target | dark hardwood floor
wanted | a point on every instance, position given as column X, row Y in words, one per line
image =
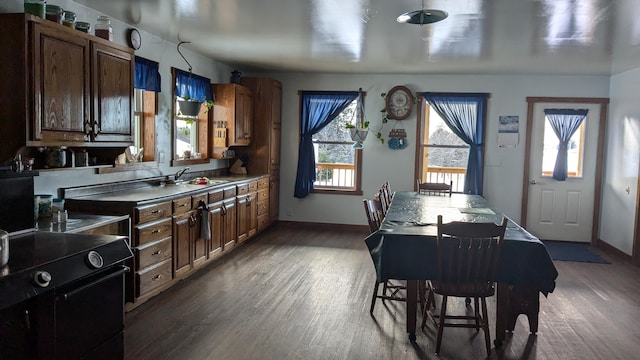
column 304, row 293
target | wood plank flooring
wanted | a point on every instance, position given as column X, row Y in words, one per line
column 298, row 292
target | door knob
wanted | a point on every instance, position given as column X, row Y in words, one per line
column 533, row 182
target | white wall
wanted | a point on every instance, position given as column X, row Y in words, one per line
column 503, row 166
column 153, row 48
column 622, row 159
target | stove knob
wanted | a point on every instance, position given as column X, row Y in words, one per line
column 94, row 260
column 42, row 278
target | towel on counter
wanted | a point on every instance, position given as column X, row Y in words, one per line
column 205, row 231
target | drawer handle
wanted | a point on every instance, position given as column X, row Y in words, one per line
column 156, row 231
column 156, row 211
column 156, row 277
column 182, row 205
column 157, row 253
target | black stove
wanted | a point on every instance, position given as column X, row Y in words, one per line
column 61, row 294
column 40, row 262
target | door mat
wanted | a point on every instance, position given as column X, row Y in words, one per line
column 570, row 251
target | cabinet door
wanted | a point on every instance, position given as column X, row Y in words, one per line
column 244, row 116
column 182, row 244
column 243, row 218
column 216, row 225
column 61, row 85
column 197, row 241
column 230, row 215
column 276, row 115
column 112, row 94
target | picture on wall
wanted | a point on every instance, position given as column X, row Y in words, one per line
column 508, row 128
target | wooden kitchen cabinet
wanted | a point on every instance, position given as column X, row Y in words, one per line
column 237, row 102
column 263, row 203
column 247, row 211
column 65, row 87
column 189, row 248
column 264, row 152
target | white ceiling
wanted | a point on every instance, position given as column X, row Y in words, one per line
column 362, row 36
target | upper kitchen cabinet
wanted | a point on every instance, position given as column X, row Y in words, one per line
column 62, row 87
column 237, row 101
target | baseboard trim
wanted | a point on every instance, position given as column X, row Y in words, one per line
column 611, row 250
column 315, row 225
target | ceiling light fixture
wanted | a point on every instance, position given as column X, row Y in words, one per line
column 421, row 17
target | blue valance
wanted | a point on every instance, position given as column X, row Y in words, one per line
column 191, row 86
column 146, row 75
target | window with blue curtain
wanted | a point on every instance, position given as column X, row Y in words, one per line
column 318, row 109
column 564, row 123
column 146, row 74
column 191, row 86
column 464, row 114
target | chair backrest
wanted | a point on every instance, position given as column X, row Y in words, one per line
column 434, row 188
column 385, row 196
column 468, row 255
column 373, row 210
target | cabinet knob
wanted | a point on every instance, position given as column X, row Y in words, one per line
column 87, row 128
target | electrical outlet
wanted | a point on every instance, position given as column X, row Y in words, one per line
column 627, row 189
column 289, row 212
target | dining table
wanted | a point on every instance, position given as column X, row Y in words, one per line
column 405, row 248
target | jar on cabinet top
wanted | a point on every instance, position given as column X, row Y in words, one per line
column 103, row 28
column 55, row 157
column 54, row 13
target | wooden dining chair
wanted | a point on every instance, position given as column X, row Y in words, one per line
column 385, row 195
column 467, row 255
column 390, row 289
column 430, row 188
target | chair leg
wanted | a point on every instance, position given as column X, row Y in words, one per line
column 476, row 312
column 443, row 312
column 485, row 326
column 374, row 297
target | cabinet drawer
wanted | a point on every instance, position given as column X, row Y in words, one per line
column 182, row 205
column 216, row 196
column 153, row 253
column 263, row 207
column 263, row 194
column 229, row 192
column 253, row 185
column 195, row 200
column 153, row 231
column 152, row 212
column 263, row 183
column 243, row 189
column 153, row 277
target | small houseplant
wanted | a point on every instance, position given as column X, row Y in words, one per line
column 360, row 129
column 189, row 107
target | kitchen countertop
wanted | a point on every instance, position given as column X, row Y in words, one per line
column 154, row 193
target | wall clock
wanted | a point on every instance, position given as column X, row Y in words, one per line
column 399, row 103
column 135, row 40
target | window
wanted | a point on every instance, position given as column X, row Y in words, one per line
column 444, row 155
column 190, row 140
column 144, row 117
column 337, row 161
column 320, row 109
column 575, row 150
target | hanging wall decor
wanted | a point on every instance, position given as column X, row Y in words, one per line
column 398, row 139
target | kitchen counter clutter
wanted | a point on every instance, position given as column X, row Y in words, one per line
column 177, row 229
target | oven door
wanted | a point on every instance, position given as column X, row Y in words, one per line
column 89, row 317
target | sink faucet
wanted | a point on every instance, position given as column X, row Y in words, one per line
column 181, row 172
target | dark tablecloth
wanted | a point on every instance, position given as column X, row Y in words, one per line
column 405, row 245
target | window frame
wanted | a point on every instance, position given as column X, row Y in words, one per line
column 357, row 188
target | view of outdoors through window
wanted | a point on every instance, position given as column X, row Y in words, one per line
column 138, row 113
column 574, row 151
column 444, row 154
column 334, row 153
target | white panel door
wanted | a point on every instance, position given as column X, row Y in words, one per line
column 562, row 210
